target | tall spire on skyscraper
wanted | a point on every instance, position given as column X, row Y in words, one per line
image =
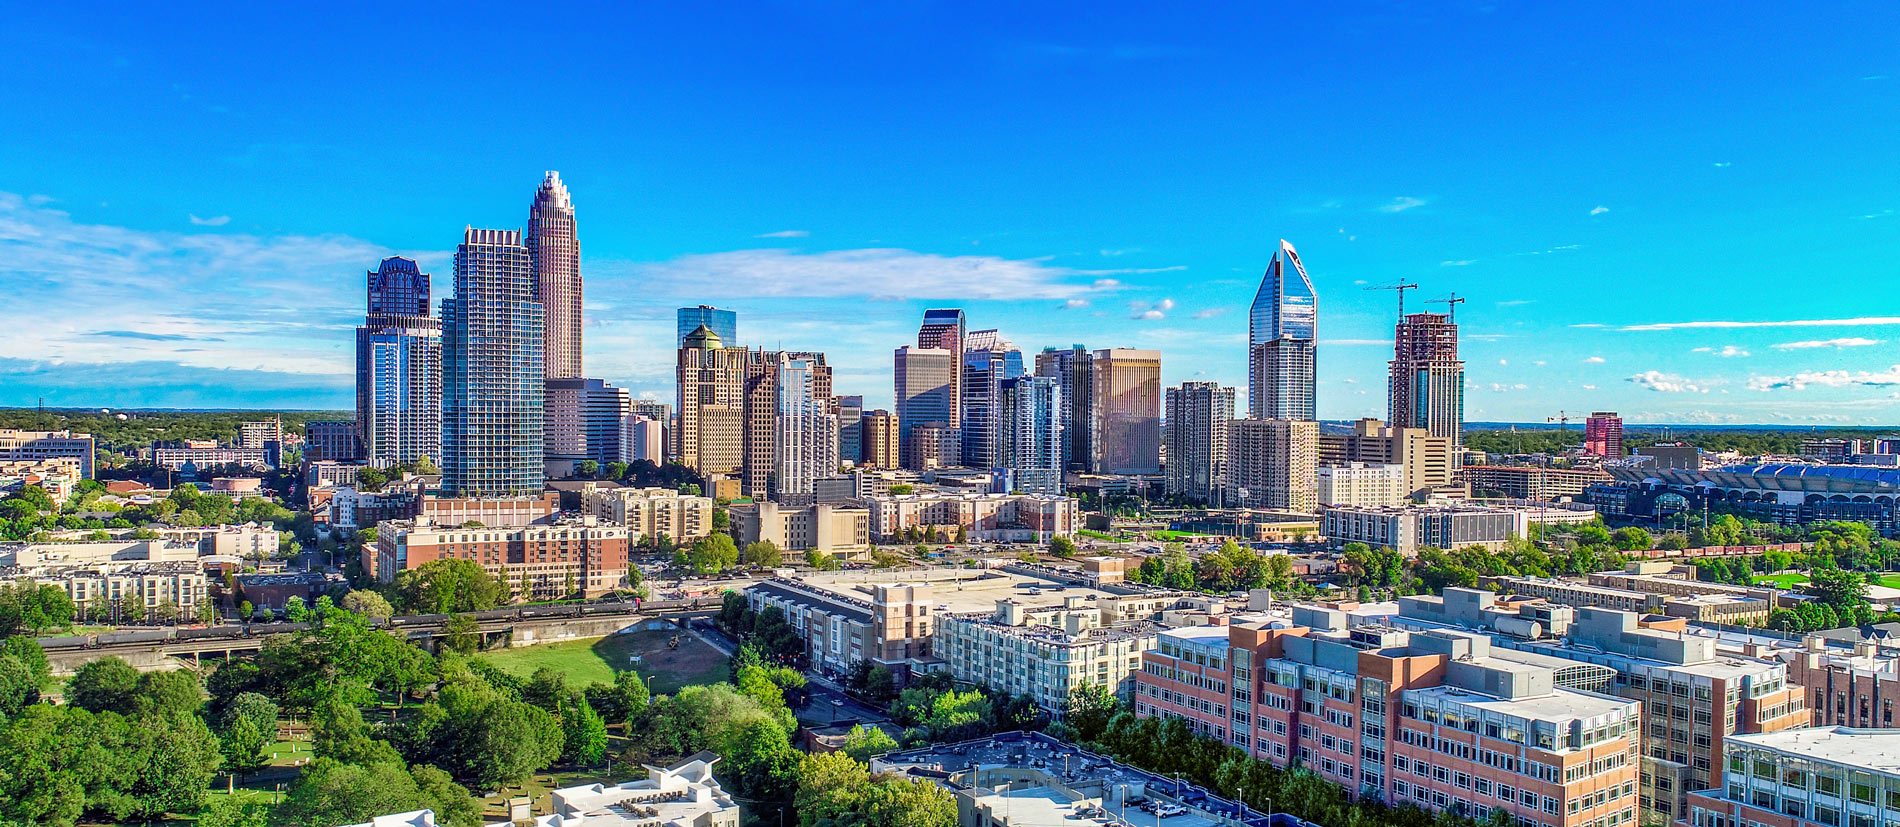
column 555, row 252
column 1282, row 329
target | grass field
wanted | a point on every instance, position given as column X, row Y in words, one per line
column 1177, row 535
column 1083, row 532
column 1785, row 581
column 591, row 660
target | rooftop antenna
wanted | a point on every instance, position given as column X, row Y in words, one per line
column 1451, row 306
column 1401, row 286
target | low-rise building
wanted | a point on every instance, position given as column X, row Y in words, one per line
column 1380, row 485
column 57, row 475
column 1832, row 776
column 505, row 512
column 93, row 553
column 108, row 586
column 336, row 440
column 199, row 457
column 350, row 508
column 1530, row 482
column 331, row 473
column 274, row 590
column 247, row 540
column 684, row 794
column 649, row 512
column 885, row 623
column 1032, row 517
column 833, row 529
column 1409, row 528
column 1575, row 593
column 1044, row 652
column 540, row 561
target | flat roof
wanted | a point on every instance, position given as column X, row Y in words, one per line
column 1873, row 749
column 1199, row 634
column 1560, row 706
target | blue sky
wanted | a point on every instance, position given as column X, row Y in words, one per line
column 1688, row 213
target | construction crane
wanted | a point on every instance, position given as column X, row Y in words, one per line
column 1401, row 287
column 1562, row 419
column 1451, row 306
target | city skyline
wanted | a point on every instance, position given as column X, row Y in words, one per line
column 1621, row 252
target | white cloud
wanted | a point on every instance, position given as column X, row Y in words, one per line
column 1727, row 351
column 1594, row 360
column 785, row 234
column 1587, row 325
column 1151, row 312
column 1828, row 379
column 875, row 273
column 1724, row 325
column 1722, row 163
column 1516, row 302
column 211, row 222
column 1656, row 380
column 1540, row 363
column 1211, row 313
column 1589, row 387
column 1463, row 262
column 1599, row 210
column 1073, row 304
column 1503, row 362
column 1850, row 341
column 1402, row 203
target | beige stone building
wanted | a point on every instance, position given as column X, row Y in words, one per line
column 1428, row 460
column 833, row 529
column 881, row 439
column 1125, row 411
column 1380, row 485
column 1044, row 652
column 57, row 475
column 1032, row 517
column 649, row 512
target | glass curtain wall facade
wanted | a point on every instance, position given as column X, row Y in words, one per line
column 399, row 367
column 723, row 323
column 1032, row 433
column 492, row 370
column 1282, row 328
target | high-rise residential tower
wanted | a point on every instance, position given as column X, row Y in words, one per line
column 1273, row 463
column 925, row 393
column 988, row 360
column 1427, row 386
column 1069, row 366
column 1603, row 435
column 492, row 371
column 399, row 367
column 806, row 445
column 723, row 323
column 850, row 428
column 583, row 421
column 944, row 328
column 554, row 252
column 1198, row 413
column 1281, row 337
column 880, row 440
column 1125, row 411
column 1030, row 431
column 710, row 437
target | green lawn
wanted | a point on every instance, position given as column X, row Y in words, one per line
column 1083, row 532
column 1891, row 581
column 1786, row 581
column 592, row 660
column 1177, row 535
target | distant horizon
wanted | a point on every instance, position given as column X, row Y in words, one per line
column 1487, row 425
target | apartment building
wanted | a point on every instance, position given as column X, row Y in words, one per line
column 1032, row 517
column 1832, row 776
column 1428, row 460
column 1273, row 464
column 885, row 623
column 1407, row 529
column 1574, row 593
column 1434, row 718
column 540, row 561
column 1847, row 687
column 649, row 512
column 1044, row 652
column 201, row 456
column 1642, row 597
column 58, row 476
column 151, row 584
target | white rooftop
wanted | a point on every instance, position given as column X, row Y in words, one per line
column 1873, row 749
column 1561, row 706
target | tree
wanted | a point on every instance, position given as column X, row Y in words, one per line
column 368, row 604
column 1090, row 707
column 589, row 468
column 28, row 652
column 108, row 684
column 370, row 479
column 763, row 554
column 31, row 608
column 232, row 811
column 462, row 633
column 1061, row 546
column 712, row 554
column 445, row 586
column 246, row 726
column 330, row 792
column 623, row 701
column 19, row 688
column 821, row 560
column 1838, row 589
column 1630, row 538
column 481, row 736
column 861, row 743
column 584, row 734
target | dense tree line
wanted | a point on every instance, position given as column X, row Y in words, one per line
column 1231, row 567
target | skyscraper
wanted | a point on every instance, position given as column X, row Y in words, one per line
column 1070, row 368
column 988, row 360
column 723, row 323
column 807, row 440
column 945, row 329
column 1030, row 431
column 880, row 440
column 1427, row 386
column 925, row 388
column 492, row 369
column 850, row 428
column 583, row 421
column 1198, row 413
column 1125, row 411
column 554, row 252
column 1281, row 336
column 1603, row 435
column 399, row 367
column 710, row 438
